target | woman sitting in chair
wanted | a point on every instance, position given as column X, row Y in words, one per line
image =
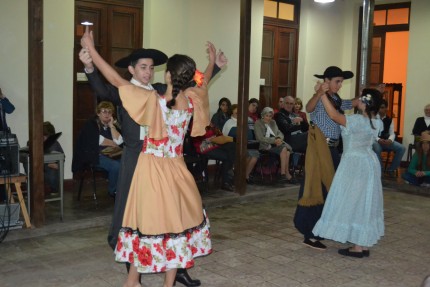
column 418, row 172
column 98, row 144
column 271, row 141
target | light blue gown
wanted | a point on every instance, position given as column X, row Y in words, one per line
column 353, row 211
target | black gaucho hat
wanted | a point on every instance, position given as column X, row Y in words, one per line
column 159, row 57
column 333, row 71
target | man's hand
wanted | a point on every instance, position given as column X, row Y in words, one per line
column 86, row 59
column 221, row 60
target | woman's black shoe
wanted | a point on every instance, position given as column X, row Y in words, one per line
column 183, row 277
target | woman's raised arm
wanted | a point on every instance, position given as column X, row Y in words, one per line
column 87, row 42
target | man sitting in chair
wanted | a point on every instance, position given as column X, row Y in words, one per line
column 98, row 144
column 386, row 140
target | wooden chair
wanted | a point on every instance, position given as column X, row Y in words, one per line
column 94, row 170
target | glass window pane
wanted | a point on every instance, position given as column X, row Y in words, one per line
column 398, row 16
column 286, row 11
column 270, row 8
column 379, row 17
column 376, row 49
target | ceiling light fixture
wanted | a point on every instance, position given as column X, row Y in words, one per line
column 324, row 1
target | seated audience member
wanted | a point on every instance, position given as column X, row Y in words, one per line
column 418, row 172
column 280, row 105
column 252, row 154
column 422, row 123
column 253, row 115
column 271, row 140
column 218, row 147
column 292, row 126
column 51, row 169
column 386, row 140
column 97, row 142
column 223, row 113
column 298, row 106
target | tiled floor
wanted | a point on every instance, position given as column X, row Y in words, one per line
column 254, row 240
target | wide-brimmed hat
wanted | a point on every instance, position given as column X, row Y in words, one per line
column 425, row 137
column 333, row 71
column 157, row 56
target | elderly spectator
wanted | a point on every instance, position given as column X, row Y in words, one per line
column 292, row 126
column 422, row 123
column 419, row 169
column 271, row 140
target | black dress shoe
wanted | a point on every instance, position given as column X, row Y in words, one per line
column 183, row 277
column 348, row 252
column 366, row 253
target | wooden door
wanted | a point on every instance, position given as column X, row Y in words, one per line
column 278, row 64
column 117, row 31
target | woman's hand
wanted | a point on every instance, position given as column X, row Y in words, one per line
column 87, row 40
column 221, row 59
column 419, row 173
column 278, row 141
column 211, row 51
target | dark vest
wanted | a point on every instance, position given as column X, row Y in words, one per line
column 385, row 134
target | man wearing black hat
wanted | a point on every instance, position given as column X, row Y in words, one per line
column 140, row 64
column 307, row 216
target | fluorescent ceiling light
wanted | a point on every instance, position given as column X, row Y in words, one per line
column 324, row 1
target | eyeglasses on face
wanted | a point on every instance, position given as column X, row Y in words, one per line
column 105, row 111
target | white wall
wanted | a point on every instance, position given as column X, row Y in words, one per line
column 196, row 22
column 58, row 43
column 14, row 63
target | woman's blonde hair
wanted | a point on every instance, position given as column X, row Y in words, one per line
column 299, row 101
column 105, row 105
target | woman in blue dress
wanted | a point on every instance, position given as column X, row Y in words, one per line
column 353, row 211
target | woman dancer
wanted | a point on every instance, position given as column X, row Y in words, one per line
column 353, row 211
column 164, row 225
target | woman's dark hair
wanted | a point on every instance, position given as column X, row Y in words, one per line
column 222, row 100
column 420, row 153
column 182, row 69
column 372, row 106
column 253, row 100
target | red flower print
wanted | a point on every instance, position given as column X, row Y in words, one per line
column 190, row 264
column 175, row 130
column 135, row 243
column 188, row 235
column 178, row 149
column 145, row 256
column 155, row 268
column 202, row 250
column 193, row 250
column 170, row 254
column 163, row 269
column 123, row 254
column 165, row 239
column 119, row 244
column 181, row 258
column 158, row 248
column 131, row 257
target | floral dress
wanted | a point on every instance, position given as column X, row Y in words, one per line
column 164, row 225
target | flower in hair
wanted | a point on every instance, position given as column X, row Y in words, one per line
column 366, row 99
column 198, row 78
